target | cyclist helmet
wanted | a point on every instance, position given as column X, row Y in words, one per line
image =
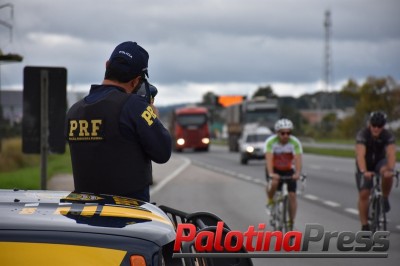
column 283, row 124
column 377, row 119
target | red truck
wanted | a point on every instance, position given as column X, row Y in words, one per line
column 189, row 128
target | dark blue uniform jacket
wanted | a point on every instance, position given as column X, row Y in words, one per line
column 113, row 137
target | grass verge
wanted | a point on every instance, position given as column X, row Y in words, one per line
column 18, row 170
column 30, row 177
column 330, row 152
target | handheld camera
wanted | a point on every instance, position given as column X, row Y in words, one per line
column 147, row 90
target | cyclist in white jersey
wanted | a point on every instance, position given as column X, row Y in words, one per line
column 283, row 157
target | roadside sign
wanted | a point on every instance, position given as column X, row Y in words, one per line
column 44, row 108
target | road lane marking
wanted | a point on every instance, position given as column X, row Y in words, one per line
column 228, row 172
column 331, row 203
column 245, row 177
column 250, row 179
column 259, row 181
column 155, row 189
column 351, row 210
column 310, row 197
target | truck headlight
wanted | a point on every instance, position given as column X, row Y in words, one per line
column 180, row 141
column 205, row 140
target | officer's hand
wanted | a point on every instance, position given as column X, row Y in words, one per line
column 155, row 110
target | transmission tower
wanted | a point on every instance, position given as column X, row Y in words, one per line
column 328, row 57
column 6, row 23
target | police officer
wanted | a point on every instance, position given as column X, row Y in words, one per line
column 114, row 132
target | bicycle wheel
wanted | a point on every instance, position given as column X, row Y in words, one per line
column 375, row 207
column 273, row 219
column 381, row 217
column 371, row 213
column 279, row 215
column 285, row 215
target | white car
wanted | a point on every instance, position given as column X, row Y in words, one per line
column 251, row 144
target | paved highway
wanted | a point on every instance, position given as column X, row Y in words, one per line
column 216, row 182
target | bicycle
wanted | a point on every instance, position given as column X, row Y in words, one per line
column 376, row 215
column 280, row 209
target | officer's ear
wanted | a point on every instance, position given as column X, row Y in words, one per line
column 135, row 84
column 137, row 80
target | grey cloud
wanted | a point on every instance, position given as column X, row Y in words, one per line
column 206, row 41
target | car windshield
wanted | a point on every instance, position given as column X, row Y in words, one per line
column 257, row 137
column 192, row 120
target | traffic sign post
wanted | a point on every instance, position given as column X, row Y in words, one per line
column 44, row 111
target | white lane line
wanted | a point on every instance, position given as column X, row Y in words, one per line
column 314, row 166
column 245, row 177
column 352, row 211
column 331, row 203
column 307, row 196
column 259, row 181
column 228, row 172
column 310, row 197
column 186, row 163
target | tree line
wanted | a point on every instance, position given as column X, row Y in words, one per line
column 354, row 100
column 374, row 94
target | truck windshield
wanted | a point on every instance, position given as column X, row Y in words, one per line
column 262, row 116
column 257, row 137
column 191, row 120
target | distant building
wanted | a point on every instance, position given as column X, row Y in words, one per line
column 314, row 117
column 12, row 103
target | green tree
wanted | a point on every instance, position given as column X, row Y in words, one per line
column 209, row 98
column 266, row 91
column 375, row 94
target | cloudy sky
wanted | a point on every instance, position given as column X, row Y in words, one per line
column 224, row 46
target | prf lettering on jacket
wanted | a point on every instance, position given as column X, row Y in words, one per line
column 85, row 130
column 149, row 115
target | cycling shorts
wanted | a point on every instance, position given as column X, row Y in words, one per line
column 367, row 183
column 292, row 184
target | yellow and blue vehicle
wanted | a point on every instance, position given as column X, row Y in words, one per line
column 39, row 227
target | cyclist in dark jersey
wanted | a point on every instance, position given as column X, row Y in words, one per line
column 375, row 154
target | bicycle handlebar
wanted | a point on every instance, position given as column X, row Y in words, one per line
column 289, row 177
column 374, row 175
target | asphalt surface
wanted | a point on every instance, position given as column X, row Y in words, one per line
column 216, row 182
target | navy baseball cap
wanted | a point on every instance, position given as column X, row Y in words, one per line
column 135, row 59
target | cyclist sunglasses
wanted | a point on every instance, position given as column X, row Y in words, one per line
column 283, row 133
column 377, row 125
